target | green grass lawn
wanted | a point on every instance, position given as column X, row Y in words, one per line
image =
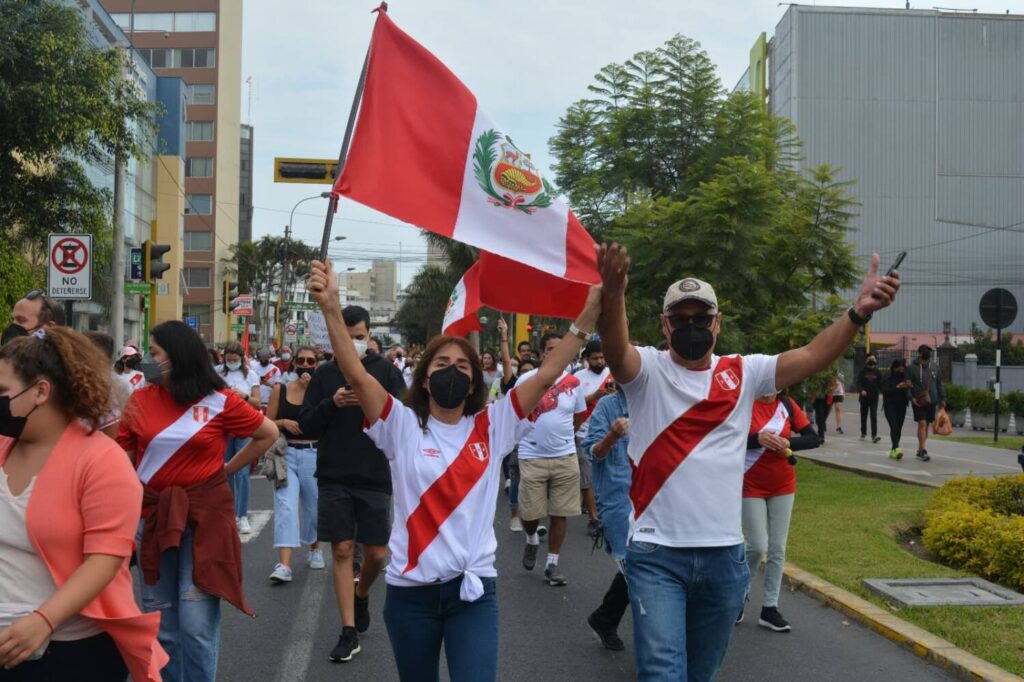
column 843, row 530
column 1006, row 441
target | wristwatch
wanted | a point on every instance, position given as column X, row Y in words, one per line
column 580, row 334
column 857, row 319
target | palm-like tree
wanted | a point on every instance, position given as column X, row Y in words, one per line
column 427, row 295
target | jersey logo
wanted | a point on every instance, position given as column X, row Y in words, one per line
column 135, row 379
column 201, row 415
column 431, row 452
column 550, row 399
column 727, row 379
column 479, row 450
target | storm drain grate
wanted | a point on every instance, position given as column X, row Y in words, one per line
column 944, row 592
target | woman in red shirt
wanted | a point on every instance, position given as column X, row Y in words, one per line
column 769, row 486
column 175, row 430
column 69, row 507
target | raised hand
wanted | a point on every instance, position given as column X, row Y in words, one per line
column 323, row 285
column 876, row 291
column 613, row 266
column 503, row 328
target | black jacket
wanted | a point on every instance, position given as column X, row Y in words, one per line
column 869, row 380
column 344, row 453
column 892, row 395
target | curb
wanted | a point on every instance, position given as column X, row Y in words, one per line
column 933, row 649
column 881, row 475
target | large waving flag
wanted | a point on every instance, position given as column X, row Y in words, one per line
column 425, row 153
column 460, row 316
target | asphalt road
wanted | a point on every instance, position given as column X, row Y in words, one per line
column 544, row 636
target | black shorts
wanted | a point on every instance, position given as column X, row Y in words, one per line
column 837, row 399
column 924, row 414
column 345, row 513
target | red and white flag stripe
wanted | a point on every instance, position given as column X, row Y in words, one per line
column 460, row 316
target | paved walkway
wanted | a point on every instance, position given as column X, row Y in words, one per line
column 949, row 458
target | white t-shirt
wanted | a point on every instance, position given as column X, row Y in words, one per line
column 133, row 378
column 445, row 479
column 268, row 376
column 590, row 382
column 240, row 379
column 696, row 502
column 553, row 431
column 25, row 582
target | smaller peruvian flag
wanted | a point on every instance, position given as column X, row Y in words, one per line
column 460, row 317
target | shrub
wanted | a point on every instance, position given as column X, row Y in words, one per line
column 978, row 524
column 981, row 401
column 956, row 397
column 1013, row 401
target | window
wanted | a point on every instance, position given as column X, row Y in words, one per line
column 243, row 199
column 168, row 21
column 196, row 278
column 183, row 58
column 199, row 167
column 199, row 310
column 198, row 241
column 199, row 131
column 205, row 57
column 198, row 204
column 200, row 93
column 244, row 165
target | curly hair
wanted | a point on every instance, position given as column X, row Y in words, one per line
column 77, row 370
column 418, row 397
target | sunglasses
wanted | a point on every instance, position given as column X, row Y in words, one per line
column 36, row 293
column 700, row 320
column 305, row 362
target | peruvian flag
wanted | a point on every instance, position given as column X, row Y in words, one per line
column 460, row 316
column 425, row 153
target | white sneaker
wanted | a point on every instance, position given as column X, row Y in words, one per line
column 281, row 574
column 316, row 559
column 515, row 525
column 243, row 526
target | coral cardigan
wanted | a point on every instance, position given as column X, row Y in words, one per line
column 93, row 473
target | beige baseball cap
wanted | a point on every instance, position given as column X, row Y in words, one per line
column 690, row 288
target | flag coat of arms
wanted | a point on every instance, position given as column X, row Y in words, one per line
column 425, row 153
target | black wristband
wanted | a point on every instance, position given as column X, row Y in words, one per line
column 857, row 319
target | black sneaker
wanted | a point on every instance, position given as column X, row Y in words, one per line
column 773, row 620
column 347, row 646
column 875, row 439
column 362, row 613
column 609, row 637
column 554, row 576
column 839, row 429
column 923, row 455
column 530, row 556
column 593, row 528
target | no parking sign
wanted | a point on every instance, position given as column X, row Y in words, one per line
column 70, row 267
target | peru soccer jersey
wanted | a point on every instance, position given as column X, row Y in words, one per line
column 688, row 437
column 766, row 472
column 590, row 382
column 553, row 434
column 182, row 445
column 445, row 480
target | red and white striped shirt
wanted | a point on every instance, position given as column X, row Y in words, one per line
column 687, row 441
column 182, row 445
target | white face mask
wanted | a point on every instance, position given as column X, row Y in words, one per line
column 360, row 345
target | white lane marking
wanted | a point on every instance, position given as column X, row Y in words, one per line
column 257, row 520
column 299, row 650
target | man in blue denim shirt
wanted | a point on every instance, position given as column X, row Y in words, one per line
column 605, row 445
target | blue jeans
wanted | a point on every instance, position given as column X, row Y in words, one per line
column 189, row 618
column 299, row 493
column 685, row 601
column 419, row 619
column 239, row 481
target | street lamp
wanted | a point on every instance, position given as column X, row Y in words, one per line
column 287, row 239
column 338, row 239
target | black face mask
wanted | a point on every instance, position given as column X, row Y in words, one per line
column 926, row 356
column 692, row 343
column 303, row 371
column 13, row 331
column 449, row 387
column 152, row 371
column 10, row 425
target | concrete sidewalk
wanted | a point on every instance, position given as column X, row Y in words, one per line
column 949, row 458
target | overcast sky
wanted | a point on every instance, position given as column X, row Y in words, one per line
column 526, row 62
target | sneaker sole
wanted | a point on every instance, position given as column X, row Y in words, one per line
column 355, row 651
column 556, row 583
column 277, row 579
column 317, row 567
column 765, row 624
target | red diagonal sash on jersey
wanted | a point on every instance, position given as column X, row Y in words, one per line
column 675, row 443
column 446, row 493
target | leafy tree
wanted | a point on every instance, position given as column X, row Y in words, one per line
column 62, row 102
column 983, row 345
column 698, row 183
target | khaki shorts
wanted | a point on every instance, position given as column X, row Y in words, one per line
column 549, row 486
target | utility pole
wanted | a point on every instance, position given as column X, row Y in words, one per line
column 117, row 271
column 284, row 277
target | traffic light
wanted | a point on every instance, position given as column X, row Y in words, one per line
column 310, row 171
column 230, row 291
column 152, row 267
column 529, row 327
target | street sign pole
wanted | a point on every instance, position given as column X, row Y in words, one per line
column 998, row 309
column 999, row 359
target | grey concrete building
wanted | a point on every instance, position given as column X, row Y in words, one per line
column 245, row 184
column 924, row 109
